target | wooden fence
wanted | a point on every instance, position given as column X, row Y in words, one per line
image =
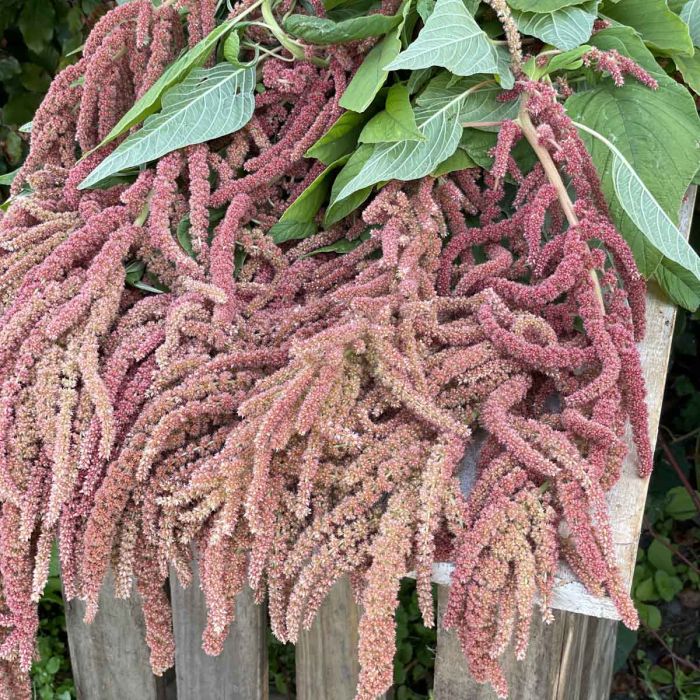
column 570, row 659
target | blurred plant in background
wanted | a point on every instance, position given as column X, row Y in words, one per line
column 37, row 39
column 51, row 673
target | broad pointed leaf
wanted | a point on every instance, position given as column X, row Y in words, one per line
column 209, row 103
column 396, row 123
column 438, row 117
column 150, row 101
column 297, row 219
column 451, row 38
column 339, row 208
column 646, row 213
column 690, row 14
column 477, row 97
column 371, row 75
column 566, row 28
column 657, row 25
column 658, row 134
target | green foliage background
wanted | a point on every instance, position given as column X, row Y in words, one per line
column 37, row 39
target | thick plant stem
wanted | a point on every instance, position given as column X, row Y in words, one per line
column 554, row 177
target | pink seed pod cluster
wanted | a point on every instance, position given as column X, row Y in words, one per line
column 290, row 417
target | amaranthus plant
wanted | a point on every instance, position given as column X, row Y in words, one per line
column 267, row 279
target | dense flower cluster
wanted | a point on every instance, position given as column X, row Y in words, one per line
column 296, row 417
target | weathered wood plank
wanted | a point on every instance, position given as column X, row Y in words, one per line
column 326, row 655
column 110, row 657
column 240, row 672
column 627, row 498
column 570, row 659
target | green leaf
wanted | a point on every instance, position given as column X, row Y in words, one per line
column 341, row 246
column 690, row 14
column 34, row 78
column 689, row 66
column 667, row 586
column 679, row 504
column 477, row 97
column 645, row 590
column 451, row 38
column 347, row 9
column 150, row 101
column 53, row 664
column 650, row 615
column 658, row 26
column 7, row 178
column 656, row 131
column 477, row 144
column 541, row 5
column 660, row 557
column 568, row 60
column 9, row 67
column 297, row 220
column 661, row 676
column 232, row 47
column 209, row 103
column 425, row 9
column 20, row 107
column 459, row 160
column 566, row 28
column 648, row 216
column 134, row 271
column 322, row 31
column 506, row 79
column 338, row 209
column 626, row 641
column 36, row 23
column 25, row 128
column 340, row 139
column 438, row 119
column 396, row 123
column 371, row 75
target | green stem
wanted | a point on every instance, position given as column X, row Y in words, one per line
column 295, row 48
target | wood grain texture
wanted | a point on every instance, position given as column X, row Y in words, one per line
column 627, row 498
column 240, row 672
column 109, row 657
column 570, row 659
column 327, row 666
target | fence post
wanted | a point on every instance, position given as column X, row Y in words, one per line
column 109, row 657
column 326, row 655
column 570, row 659
column 240, row 672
